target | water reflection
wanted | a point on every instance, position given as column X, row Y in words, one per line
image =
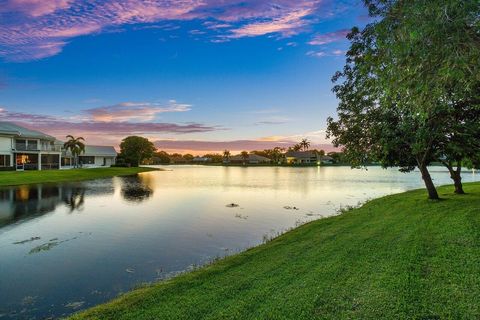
column 136, row 189
column 138, row 229
column 27, row 202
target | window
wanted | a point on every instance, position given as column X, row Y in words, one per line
column 32, row 144
column 4, row 160
column 21, row 144
column 86, row 160
column 50, row 161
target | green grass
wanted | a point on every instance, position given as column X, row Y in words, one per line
column 14, row 178
column 397, row 257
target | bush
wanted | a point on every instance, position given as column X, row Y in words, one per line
column 7, row 168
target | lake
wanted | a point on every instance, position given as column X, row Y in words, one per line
column 66, row 247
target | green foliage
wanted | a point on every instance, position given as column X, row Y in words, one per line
column 136, row 149
column 398, row 257
column 215, row 157
column 304, row 144
column 161, row 157
column 76, row 147
column 410, row 90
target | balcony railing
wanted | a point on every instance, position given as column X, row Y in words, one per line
column 36, row 147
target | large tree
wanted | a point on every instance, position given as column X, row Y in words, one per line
column 406, row 73
column 136, row 149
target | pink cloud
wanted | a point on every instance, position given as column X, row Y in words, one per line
column 134, row 111
column 330, row 37
column 36, row 8
column 286, row 25
column 100, row 131
column 36, row 29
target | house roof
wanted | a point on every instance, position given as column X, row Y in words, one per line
column 11, row 129
column 251, row 157
column 301, row 154
column 107, row 151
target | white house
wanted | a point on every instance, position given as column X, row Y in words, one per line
column 103, row 156
column 25, row 149
column 302, row 157
column 307, row 157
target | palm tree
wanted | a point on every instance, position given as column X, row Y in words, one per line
column 305, row 144
column 245, row 156
column 226, row 156
column 76, row 147
column 297, row 147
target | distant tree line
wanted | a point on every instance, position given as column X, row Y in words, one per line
column 135, row 150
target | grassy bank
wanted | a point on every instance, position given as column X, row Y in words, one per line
column 398, row 257
column 14, row 178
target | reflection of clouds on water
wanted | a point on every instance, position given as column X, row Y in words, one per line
column 136, row 189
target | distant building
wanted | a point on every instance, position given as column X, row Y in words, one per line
column 25, row 149
column 302, row 157
column 252, row 159
column 327, row 160
column 94, row 156
column 307, row 157
column 201, row 160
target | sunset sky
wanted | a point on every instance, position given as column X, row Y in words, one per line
column 191, row 75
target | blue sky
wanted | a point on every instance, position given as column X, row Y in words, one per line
column 191, row 75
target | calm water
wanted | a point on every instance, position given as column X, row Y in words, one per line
column 65, row 247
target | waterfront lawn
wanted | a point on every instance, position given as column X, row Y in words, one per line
column 13, row 178
column 398, row 257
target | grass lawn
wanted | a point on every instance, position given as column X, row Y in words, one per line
column 398, row 257
column 13, row 178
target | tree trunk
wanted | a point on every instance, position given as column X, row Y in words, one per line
column 456, row 177
column 427, row 179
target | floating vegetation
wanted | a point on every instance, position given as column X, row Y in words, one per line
column 75, row 305
column 240, row 216
column 232, row 205
column 44, row 247
column 29, row 300
column 27, row 240
column 49, row 245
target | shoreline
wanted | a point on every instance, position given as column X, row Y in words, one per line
column 16, row 178
column 368, row 251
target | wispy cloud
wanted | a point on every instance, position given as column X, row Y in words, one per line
column 321, row 54
column 326, row 38
column 286, row 25
column 35, row 8
column 36, row 29
column 134, row 111
column 106, row 124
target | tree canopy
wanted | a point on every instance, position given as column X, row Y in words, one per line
column 134, row 150
column 409, row 92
